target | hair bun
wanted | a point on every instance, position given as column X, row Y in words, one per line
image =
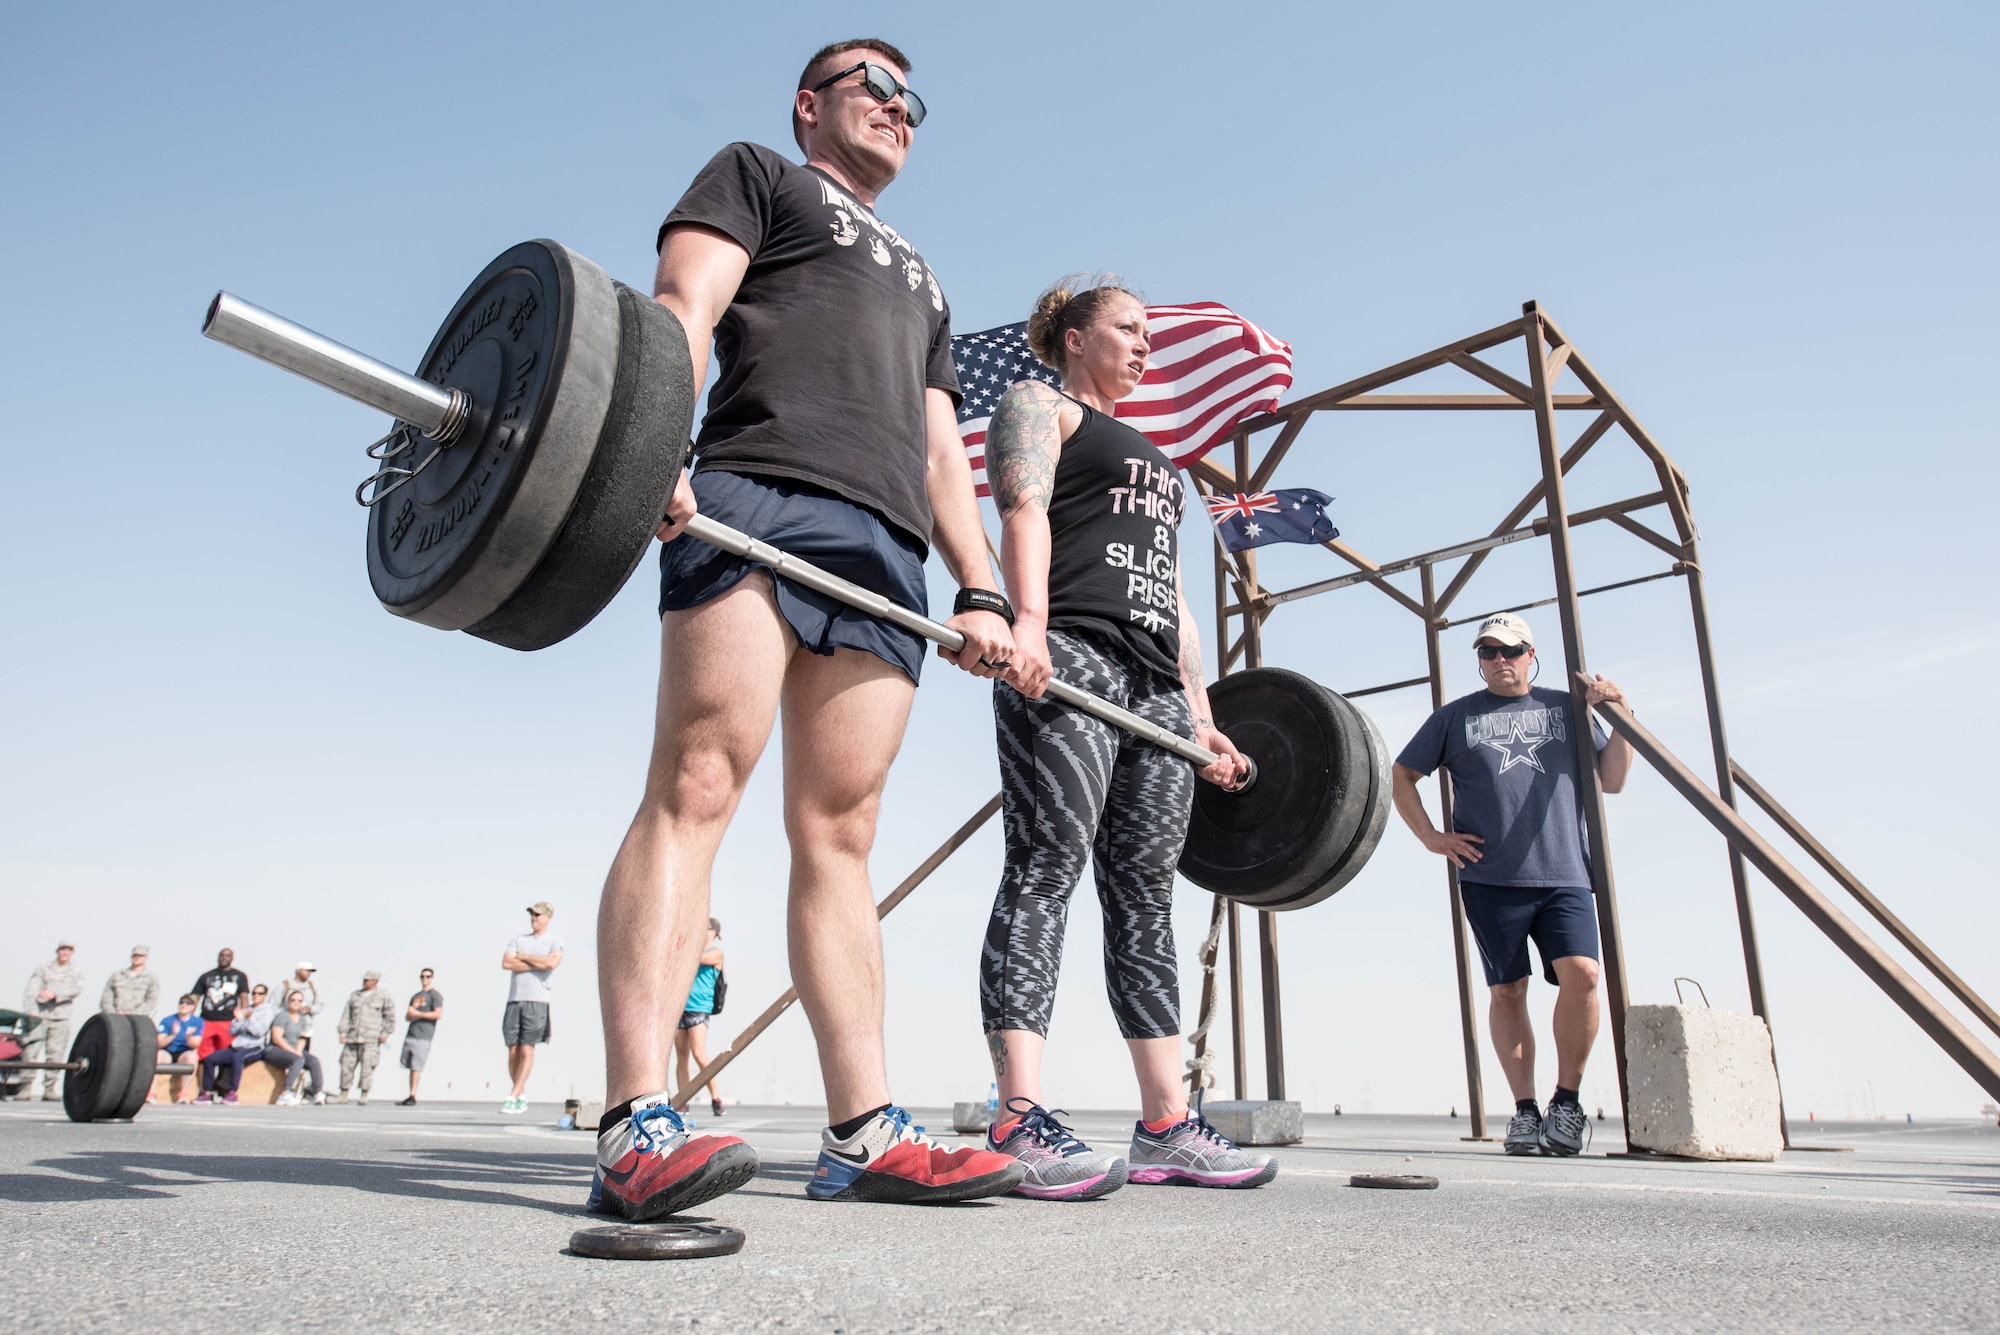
column 1071, row 302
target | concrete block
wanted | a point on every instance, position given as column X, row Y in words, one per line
column 967, row 1118
column 1257, row 1121
column 1703, row 1083
column 589, row 1114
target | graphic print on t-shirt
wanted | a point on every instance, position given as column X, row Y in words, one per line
column 845, row 232
column 1518, row 736
column 1156, row 493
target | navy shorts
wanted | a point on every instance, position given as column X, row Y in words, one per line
column 1562, row 920
column 837, row 536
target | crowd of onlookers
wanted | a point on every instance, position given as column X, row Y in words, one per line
column 225, row 1025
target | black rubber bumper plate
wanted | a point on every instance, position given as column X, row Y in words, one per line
column 667, row 1241
column 1393, row 1181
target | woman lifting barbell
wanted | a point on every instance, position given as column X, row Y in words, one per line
column 1089, row 510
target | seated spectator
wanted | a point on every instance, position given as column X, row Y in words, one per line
column 248, row 1027
column 180, row 1035
column 286, row 1048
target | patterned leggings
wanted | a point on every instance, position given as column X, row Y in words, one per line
column 1075, row 790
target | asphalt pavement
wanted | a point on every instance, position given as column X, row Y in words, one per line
column 453, row 1217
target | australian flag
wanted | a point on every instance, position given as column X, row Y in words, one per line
column 1296, row 515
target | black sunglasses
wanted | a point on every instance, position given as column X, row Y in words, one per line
column 881, row 86
column 1489, row 652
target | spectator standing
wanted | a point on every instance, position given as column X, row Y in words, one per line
column 424, row 1011
column 132, row 991
column 50, row 990
column 249, row 1025
column 220, row 989
column 180, row 1037
column 530, row 958
column 1517, row 839
column 691, row 1038
column 301, row 982
column 365, row 1025
column 286, row 1048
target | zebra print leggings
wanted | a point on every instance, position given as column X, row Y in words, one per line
column 1075, row 790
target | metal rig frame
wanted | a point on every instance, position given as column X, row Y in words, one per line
column 1242, row 605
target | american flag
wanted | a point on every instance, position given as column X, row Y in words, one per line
column 1210, row 368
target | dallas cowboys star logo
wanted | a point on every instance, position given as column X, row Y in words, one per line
column 1516, row 747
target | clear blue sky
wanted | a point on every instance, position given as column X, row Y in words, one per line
column 1770, row 226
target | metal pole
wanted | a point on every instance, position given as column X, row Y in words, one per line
column 1725, row 788
column 1267, row 926
column 1590, row 789
column 1239, row 1058
column 439, row 412
column 1468, row 1020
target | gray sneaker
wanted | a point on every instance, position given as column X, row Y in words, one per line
column 1060, row 1167
column 1524, row 1132
column 1194, row 1152
column 1565, row 1130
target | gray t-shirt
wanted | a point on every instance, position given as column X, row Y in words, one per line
column 293, row 1027
column 533, row 984
column 1513, row 774
column 429, row 999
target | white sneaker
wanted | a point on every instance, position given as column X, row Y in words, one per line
column 285, row 1100
column 319, row 1099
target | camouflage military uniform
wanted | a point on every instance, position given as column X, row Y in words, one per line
column 131, row 992
column 52, row 1035
column 369, row 1015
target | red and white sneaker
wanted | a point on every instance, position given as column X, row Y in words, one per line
column 650, row 1166
column 891, row 1159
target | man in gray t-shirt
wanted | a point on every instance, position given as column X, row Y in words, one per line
column 424, row 1011
column 1518, row 841
column 530, row 960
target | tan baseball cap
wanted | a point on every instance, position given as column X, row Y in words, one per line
column 65, row 944
column 375, row 974
column 1504, row 628
column 542, row 906
column 143, row 950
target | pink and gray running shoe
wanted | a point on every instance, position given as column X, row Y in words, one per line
column 1193, row 1153
column 1060, row 1167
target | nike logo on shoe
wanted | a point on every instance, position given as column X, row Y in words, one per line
column 862, row 1157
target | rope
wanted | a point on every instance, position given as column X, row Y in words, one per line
column 1200, row 1073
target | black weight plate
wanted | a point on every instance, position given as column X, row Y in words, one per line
column 534, row 344
column 1279, row 836
column 1393, row 1181
column 104, row 1047
column 1375, row 820
column 145, row 1065
column 656, row 1242
column 1353, row 735
column 631, row 478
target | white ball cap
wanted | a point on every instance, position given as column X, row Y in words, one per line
column 1504, row 628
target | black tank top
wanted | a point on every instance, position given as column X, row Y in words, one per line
column 1114, row 529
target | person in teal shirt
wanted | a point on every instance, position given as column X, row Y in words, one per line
column 691, row 1039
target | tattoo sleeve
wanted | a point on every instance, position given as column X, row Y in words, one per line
column 1022, row 446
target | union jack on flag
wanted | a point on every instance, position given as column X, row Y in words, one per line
column 1239, row 506
column 1210, row 368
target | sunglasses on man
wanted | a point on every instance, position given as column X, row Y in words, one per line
column 881, row 86
column 1510, row 652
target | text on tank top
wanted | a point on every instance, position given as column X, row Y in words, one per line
column 1114, row 519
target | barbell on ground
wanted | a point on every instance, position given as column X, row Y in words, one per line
column 537, row 447
column 112, row 1062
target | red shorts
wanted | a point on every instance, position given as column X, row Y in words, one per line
column 215, row 1035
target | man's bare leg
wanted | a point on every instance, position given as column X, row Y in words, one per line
column 1513, row 1035
column 844, row 719
column 521, row 1064
column 1576, row 1017
column 721, row 669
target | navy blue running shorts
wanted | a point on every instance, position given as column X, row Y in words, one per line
column 1562, row 920
column 835, row 535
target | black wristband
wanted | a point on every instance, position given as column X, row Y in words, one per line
column 983, row 600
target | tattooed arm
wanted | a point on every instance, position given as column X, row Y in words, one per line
column 1232, row 767
column 1023, row 445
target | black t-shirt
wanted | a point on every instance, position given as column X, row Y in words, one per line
column 429, row 999
column 218, row 990
column 836, row 332
column 1114, row 540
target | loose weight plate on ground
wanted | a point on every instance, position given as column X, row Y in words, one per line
column 1393, row 1181
column 534, row 345
column 666, row 1241
column 1280, row 838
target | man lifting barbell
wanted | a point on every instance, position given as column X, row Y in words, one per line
column 1517, row 838
column 1089, row 510
column 831, row 432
